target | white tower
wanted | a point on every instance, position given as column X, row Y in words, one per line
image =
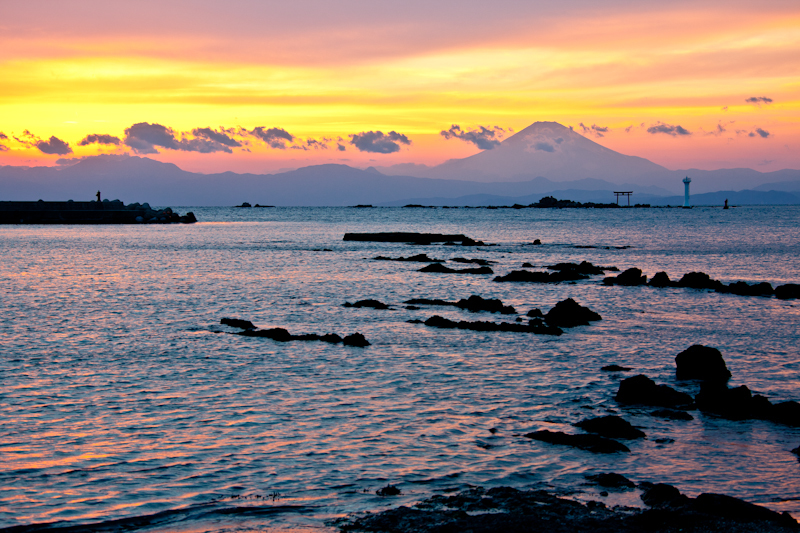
column 686, row 181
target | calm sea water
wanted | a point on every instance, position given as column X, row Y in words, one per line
column 122, row 396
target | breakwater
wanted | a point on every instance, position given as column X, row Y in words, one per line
column 93, row 212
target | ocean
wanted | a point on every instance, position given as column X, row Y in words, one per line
column 123, row 400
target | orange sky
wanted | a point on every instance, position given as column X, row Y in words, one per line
column 669, row 83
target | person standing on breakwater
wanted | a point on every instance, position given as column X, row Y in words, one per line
column 98, row 196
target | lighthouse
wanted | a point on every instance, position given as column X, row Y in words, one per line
column 686, row 181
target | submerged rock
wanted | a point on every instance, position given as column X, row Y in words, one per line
column 419, row 258
column 611, row 426
column 703, row 363
column 592, row 443
column 672, row 414
column 237, row 323
column 629, row 278
column 481, row 262
column 438, row 268
column 534, row 326
column 525, row 276
column 642, row 390
column 416, row 238
column 615, row 368
column 584, row 267
column 612, row 481
column 568, row 314
column 374, row 304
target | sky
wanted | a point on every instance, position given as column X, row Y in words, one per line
column 258, row 85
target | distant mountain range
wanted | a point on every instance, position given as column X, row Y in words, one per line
column 545, row 159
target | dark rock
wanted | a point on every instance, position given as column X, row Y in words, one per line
column 584, row 267
column 535, row 313
column 790, row 291
column 413, row 308
column 787, row 413
column 419, row 258
column 188, row 218
column 672, row 415
column 356, row 339
column 540, row 277
column 629, row 278
column 482, row 262
column 527, row 265
column 733, row 404
column 427, row 301
column 237, row 323
column 661, row 279
column 796, row 451
column 741, row 288
column 244, row 204
column 388, row 490
column 438, row 268
column 611, row 426
column 703, row 363
column 537, row 242
column 740, row 510
column 534, row 326
column 592, row 443
column 415, row 321
column 699, row 280
column 568, row 314
column 615, row 368
column 374, row 304
column 662, row 495
column 612, row 481
column 416, row 238
column 642, row 390
column 475, row 303
column 508, row 510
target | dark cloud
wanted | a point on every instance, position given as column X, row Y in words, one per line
column 219, row 137
column 3, row 135
column 483, row 137
column 668, row 129
column 321, row 144
column 3, row 148
column 144, row 138
column 759, row 132
column 379, row 142
column 758, row 100
column 544, row 147
column 274, row 137
column 594, row 129
column 340, row 147
column 99, row 138
column 54, row 146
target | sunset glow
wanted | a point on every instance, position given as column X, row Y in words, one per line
column 624, row 75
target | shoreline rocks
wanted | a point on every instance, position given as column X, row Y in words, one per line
column 438, row 268
column 506, row 509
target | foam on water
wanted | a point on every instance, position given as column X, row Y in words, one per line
column 122, row 396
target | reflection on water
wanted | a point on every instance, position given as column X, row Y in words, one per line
column 121, row 395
